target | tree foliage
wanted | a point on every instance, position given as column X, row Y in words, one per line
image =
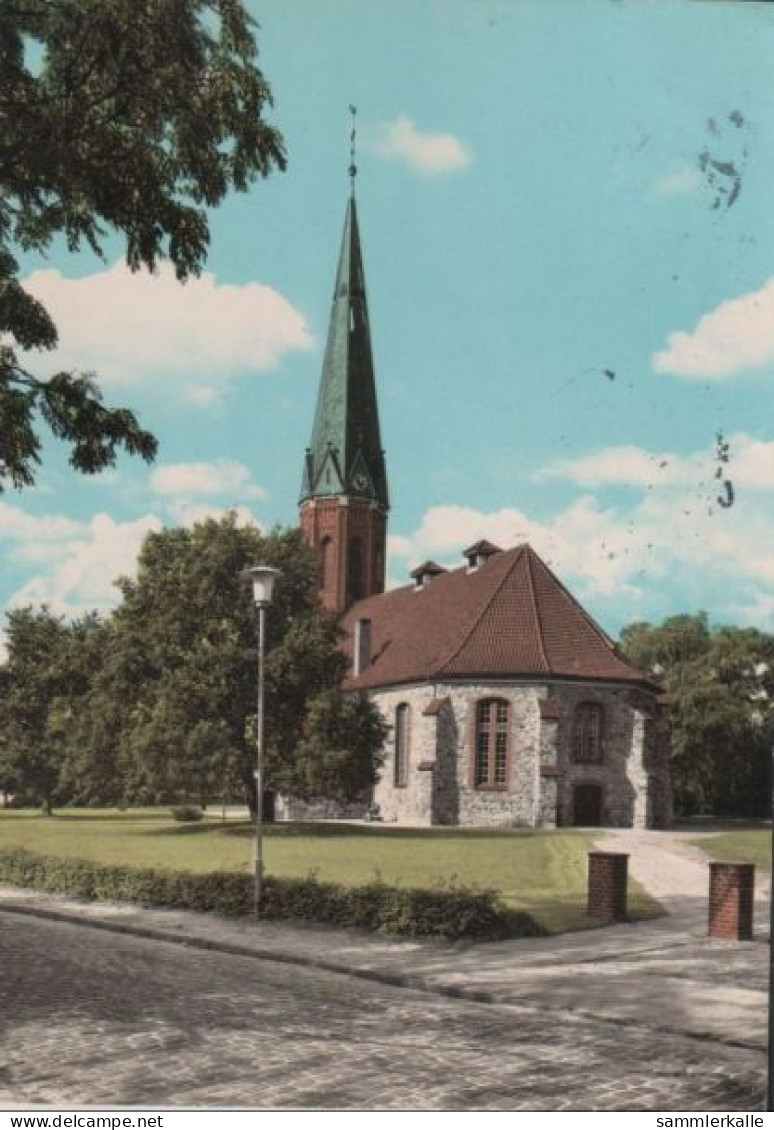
column 116, row 116
column 50, row 665
column 720, row 684
column 159, row 702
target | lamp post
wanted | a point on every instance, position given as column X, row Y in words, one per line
column 262, row 579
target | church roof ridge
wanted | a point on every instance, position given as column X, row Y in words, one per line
column 536, row 608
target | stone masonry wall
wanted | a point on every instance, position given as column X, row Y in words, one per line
column 411, row 803
column 442, row 795
column 633, row 772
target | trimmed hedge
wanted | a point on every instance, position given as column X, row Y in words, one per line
column 455, row 912
column 186, row 813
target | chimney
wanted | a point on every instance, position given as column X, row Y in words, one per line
column 362, row 656
column 424, row 573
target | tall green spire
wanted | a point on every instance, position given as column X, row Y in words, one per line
column 345, row 456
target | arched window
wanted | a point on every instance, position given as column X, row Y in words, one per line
column 402, row 739
column 588, row 733
column 326, row 562
column 490, row 768
column 355, row 569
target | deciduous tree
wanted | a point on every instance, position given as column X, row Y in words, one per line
column 116, row 116
column 194, row 712
column 720, row 683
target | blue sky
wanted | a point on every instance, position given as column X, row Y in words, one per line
column 566, row 307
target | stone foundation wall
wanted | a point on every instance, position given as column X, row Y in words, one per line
column 290, row 808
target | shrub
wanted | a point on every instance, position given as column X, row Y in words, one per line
column 186, row 813
column 456, row 912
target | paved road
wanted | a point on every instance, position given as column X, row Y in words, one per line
column 88, row 1017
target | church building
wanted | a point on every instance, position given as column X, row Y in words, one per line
column 506, row 703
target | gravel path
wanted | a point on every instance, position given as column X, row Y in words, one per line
column 675, row 871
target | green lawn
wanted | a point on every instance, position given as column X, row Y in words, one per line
column 543, row 872
column 743, row 845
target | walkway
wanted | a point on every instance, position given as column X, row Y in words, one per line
column 675, row 872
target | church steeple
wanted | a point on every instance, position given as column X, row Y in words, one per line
column 345, row 454
column 344, row 499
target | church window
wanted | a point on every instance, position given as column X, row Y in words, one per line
column 326, row 561
column 587, row 733
column 355, row 569
column 490, row 769
column 402, row 719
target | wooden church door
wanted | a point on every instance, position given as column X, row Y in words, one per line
column 587, row 806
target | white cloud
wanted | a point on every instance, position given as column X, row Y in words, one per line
column 194, row 492
column 187, row 513
column 77, row 572
column 620, row 466
column 431, row 154
column 751, row 467
column 74, row 565
column 140, row 328
column 670, row 547
column 221, row 477
column 18, row 526
column 563, row 542
column 679, row 181
column 736, row 336
column 202, row 395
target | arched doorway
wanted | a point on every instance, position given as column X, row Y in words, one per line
column 587, row 806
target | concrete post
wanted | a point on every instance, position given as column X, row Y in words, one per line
column 607, row 881
column 731, row 891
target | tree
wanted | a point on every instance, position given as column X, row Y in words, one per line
column 122, row 116
column 49, row 667
column 189, row 626
column 720, row 685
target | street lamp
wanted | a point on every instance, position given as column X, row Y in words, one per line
column 262, row 578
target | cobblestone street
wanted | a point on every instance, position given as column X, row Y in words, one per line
column 95, row 1018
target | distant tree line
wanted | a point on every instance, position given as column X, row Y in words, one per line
column 720, row 694
column 156, row 702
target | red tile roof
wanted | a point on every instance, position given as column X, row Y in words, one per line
column 508, row 618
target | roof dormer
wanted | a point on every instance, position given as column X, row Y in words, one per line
column 479, row 553
column 424, row 573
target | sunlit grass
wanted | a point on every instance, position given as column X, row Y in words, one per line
column 542, row 872
column 743, row 845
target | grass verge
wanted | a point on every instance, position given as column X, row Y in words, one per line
column 538, row 873
column 743, row 845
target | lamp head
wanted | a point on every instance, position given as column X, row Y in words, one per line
column 262, row 578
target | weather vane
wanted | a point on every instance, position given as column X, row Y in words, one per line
column 352, row 138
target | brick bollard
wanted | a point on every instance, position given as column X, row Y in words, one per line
column 731, row 890
column 607, row 885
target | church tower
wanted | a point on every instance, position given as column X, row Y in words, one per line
column 344, row 501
